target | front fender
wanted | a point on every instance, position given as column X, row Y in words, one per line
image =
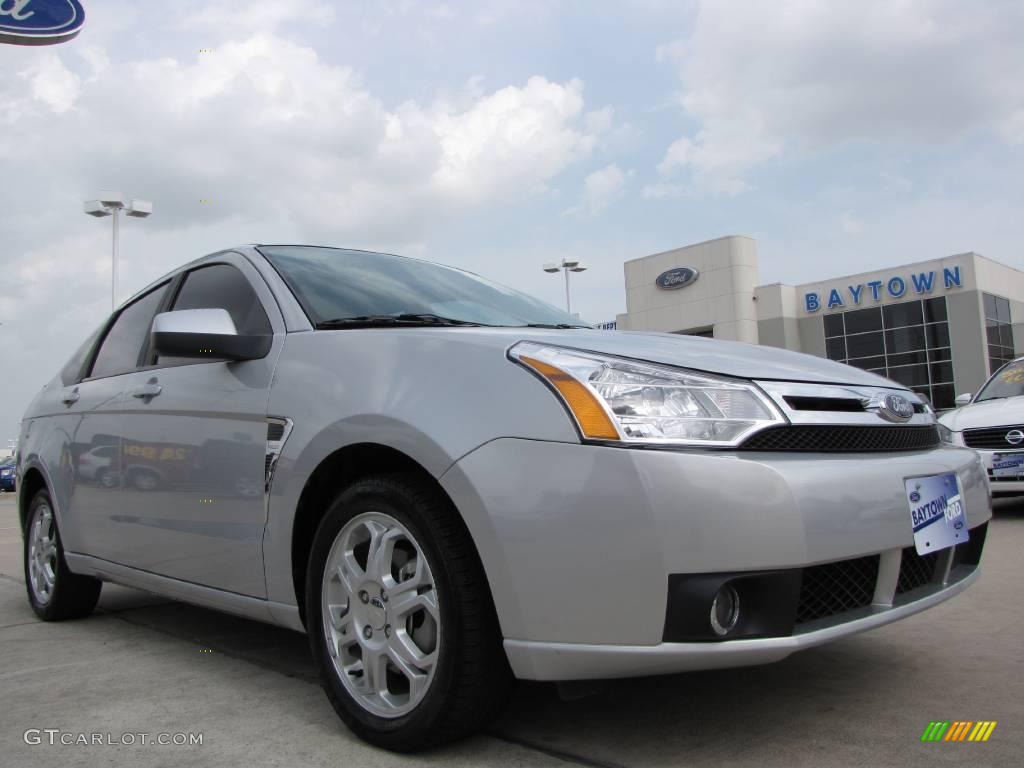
column 433, row 395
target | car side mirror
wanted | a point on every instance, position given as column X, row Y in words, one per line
column 963, row 399
column 206, row 333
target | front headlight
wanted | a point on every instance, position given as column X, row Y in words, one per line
column 947, row 435
column 635, row 402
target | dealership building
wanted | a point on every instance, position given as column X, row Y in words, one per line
column 937, row 326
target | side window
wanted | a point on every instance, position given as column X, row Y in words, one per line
column 72, row 371
column 119, row 352
column 222, row 286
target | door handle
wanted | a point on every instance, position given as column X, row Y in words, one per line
column 147, row 391
column 69, row 396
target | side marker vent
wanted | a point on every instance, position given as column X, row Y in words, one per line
column 278, row 430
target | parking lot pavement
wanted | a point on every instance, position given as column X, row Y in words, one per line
column 145, row 664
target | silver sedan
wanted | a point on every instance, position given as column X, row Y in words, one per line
column 449, row 485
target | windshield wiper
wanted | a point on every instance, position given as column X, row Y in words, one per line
column 400, row 320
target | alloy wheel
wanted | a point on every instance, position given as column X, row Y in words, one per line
column 42, row 553
column 381, row 615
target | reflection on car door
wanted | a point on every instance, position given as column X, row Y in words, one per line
column 92, row 463
column 194, row 448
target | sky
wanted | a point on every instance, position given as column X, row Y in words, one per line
column 497, row 136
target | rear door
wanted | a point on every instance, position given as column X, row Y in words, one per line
column 195, row 445
column 92, row 422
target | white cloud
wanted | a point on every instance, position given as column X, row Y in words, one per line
column 264, row 126
column 442, row 12
column 895, row 181
column 600, row 189
column 516, row 136
column 52, row 83
column 285, row 144
column 1013, row 127
column 852, row 224
column 761, row 79
column 600, row 121
column 261, row 15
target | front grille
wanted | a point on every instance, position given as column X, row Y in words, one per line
column 833, row 588
column 991, row 438
column 1003, row 478
column 843, row 439
column 916, row 570
column 829, row 404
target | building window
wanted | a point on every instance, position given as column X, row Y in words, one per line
column 906, row 342
column 999, row 329
column 707, row 333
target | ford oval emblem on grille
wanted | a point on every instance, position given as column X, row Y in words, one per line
column 680, row 277
column 893, row 407
column 1015, row 437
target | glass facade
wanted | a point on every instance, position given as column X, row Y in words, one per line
column 999, row 329
column 906, row 342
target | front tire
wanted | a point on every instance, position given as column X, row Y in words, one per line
column 400, row 618
column 54, row 592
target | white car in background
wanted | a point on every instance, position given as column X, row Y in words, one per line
column 992, row 423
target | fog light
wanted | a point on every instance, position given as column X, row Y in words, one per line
column 725, row 610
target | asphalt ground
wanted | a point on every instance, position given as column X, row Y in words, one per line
column 144, row 664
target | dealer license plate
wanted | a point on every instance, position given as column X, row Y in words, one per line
column 1008, row 465
column 936, row 512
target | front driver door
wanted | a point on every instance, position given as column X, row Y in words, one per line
column 194, row 445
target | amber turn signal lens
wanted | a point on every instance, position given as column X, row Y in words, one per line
column 592, row 418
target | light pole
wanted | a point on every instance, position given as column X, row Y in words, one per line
column 111, row 204
column 567, row 266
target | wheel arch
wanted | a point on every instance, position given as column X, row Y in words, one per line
column 334, row 472
column 29, row 484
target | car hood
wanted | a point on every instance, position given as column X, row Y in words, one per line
column 989, row 413
column 729, row 358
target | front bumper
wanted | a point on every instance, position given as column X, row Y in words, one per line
column 562, row 661
column 1000, row 486
column 579, row 543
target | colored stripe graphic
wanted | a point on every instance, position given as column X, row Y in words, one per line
column 982, row 730
column 958, row 730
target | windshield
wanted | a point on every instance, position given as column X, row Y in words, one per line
column 333, row 284
column 1008, row 381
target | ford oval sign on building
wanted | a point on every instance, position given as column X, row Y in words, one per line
column 680, row 277
column 40, row 22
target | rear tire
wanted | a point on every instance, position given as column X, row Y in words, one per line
column 54, row 592
column 441, row 671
